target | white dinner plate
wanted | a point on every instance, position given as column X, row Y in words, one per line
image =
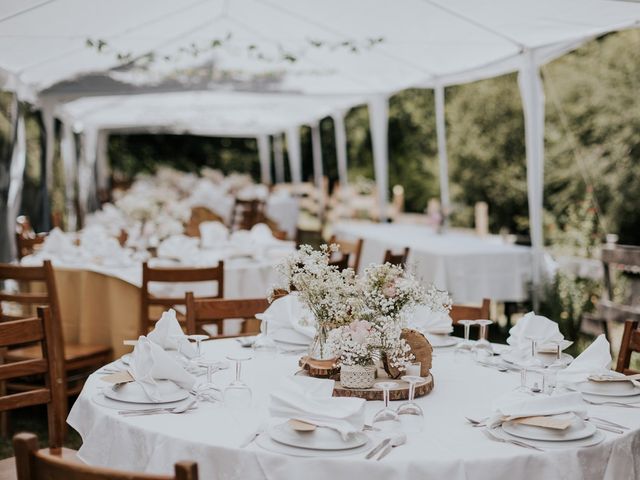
column 578, row 430
column 634, row 400
column 321, row 438
column 100, row 399
column 441, row 341
column 291, row 337
column 594, row 439
column 133, row 392
column 265, row 442
column 608, row 389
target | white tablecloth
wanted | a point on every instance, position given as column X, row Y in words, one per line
column 449, row 448
column 469, row 267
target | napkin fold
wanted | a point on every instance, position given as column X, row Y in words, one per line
column 168, row 335
column 533, row 326
column 310, row 400
column 178, row 246
column 150, row 363
column 425, row 320
column 596, row 359
column 289, row 312
column 212, row 234
column 519, row 405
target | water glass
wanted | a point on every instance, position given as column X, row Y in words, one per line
column 410, row 413
column 387, row 419
column 466, row 345
column 483, row 348
column 238, row 394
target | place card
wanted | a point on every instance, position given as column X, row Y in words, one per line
column 545, row 422
column 301, row 426
column 118, row 377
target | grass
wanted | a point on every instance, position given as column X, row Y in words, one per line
column 33, row 420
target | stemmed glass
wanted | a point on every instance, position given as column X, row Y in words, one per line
column 465, row 346
column 263, row 341
column 198, row 339
column 238, row 394
column 212, row 367
column 483, row 348
column 387, row 419
column 531, row 363
column 410, row 412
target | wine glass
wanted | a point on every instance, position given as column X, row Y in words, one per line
column 198, row 339
column 465, row 346
column 263, row 341
column 411, row 413
column 483, row 348
column 386, row 420
column 238, row 394
column 531, row 363
column 212, row 367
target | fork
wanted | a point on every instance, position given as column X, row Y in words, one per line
column 612, row 403
column 477, row 423
column 495, row 438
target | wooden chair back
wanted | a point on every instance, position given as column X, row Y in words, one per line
column 28, row 245
column 615, row 258
column 35, row 464
column 399, row 259
column 353, row 248
column 214, row 311
column 469, row 312
column 198, row 216
column 342, row 263
column 47, row 331
column 247, row 213
column 26, row 299
column 174, row 275
column 630, row 344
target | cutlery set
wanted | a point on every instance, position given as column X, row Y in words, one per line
column 386, row 446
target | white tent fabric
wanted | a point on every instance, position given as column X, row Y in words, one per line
column 443, row 161
column 341, row 147
column 294, row 153
column 316, row 151
column 379, row 125
column 69, row 162
column 18, row 162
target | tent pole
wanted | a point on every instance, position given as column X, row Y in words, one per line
column 8, row 183
column 445, row 202
column 265, row 159
column 318, row 173
column 532, row 93
column 295, row 155
column 379, row 124
column 278, row 157
column 68, row 153
column 48, row 121
column 102, row 161
column 341, row 148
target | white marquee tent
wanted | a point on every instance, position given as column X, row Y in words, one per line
column 346, row 52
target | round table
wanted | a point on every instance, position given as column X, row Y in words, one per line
column 448, row 448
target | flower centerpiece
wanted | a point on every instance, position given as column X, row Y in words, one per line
column 357, row 346
column 329, row 293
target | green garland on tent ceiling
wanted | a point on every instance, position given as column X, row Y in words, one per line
column 196, row 50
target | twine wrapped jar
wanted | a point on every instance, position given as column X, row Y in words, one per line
column 357, row 376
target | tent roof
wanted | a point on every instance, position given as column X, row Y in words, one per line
column 424, row 41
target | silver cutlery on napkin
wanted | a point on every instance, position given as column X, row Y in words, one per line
column 155, row 411
column 491, row 436
column 396, row 441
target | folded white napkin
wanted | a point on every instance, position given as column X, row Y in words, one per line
column 149, row 363
column 178, row 246
column 262, row 234
column 58, row 243
column 518, row 405
column 168, row 334
column 310, row 400
column 596, row 359
column 423, row 319
column 289, row 312
column 212, row 234
column 533, row 326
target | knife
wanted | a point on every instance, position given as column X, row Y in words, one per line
column 385, row 451
column 377, row 448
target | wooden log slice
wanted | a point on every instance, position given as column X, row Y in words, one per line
column 401, row 392
column 320, row 368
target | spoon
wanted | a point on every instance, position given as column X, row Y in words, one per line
column 396, row 441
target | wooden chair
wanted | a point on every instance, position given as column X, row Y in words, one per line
column 47, row 464
column 468, row 312
column 342, row 263
column 198, row 216
column 27, row 240
column 399, row 259
column 247, row 213
column 47, row 332
column 174, row 275
column 354, row 249
column 630, row 344
column 215, row 311
column 79, row 360
column 620, row 258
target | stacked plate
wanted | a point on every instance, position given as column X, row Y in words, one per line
column 579, row 433
column 320, row 442
column 546, row 358
column 132, row 396
column 441, row 338
column 600, row 392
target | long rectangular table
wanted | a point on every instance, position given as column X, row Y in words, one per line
column 468, row 266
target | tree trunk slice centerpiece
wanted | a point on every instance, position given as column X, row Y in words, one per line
column 401, row 392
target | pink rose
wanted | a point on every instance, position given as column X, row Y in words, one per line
column 359, row 330
column 389, row 290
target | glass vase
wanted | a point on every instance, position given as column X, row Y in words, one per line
column 319, row 349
